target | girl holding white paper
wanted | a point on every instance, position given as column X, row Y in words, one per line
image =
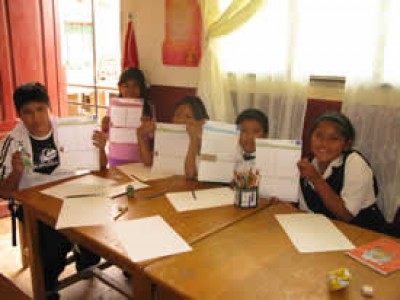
column 131, row 85
column 190, row 111
column 338, row 182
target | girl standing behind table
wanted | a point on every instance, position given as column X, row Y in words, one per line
column 131, row 84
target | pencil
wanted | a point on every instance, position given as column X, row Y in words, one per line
column 121, row 213
column 155, row 194
column 82, row 195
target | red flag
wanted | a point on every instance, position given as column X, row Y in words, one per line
column 130, row 49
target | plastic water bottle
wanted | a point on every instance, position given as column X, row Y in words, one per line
column 25, row 156
column 130, row 191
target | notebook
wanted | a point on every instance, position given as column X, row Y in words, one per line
column 382, row 255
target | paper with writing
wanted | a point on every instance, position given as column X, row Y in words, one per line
column 219, row 147
column 75, row 144
column 183, row 201
column 276, row 161
column 170, row 148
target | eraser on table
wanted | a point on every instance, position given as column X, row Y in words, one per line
column 367, row 290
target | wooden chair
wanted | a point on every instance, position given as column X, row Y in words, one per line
column 393, row 228
column 16, row 223
column 94, row 271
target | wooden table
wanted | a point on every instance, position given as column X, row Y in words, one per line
column 193, row 226
column 9, row 291
column 254, row 259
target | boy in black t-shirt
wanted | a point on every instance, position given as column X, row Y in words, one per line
column 28, row 157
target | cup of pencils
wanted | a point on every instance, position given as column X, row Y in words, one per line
column 246, row 188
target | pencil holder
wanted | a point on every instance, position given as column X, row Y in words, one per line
column 246, row 197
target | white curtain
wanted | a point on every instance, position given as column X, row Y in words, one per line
column 227, row 91
column 372, row 102
column 264, row 61
column 375, row 113
column 212, row 87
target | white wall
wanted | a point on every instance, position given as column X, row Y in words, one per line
column 148, row 18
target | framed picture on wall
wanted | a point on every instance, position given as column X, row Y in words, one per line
column 182, row 42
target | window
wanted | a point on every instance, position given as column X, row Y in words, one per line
column 350, row 38
column 90, row 41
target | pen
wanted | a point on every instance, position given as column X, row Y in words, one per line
column 194, row 195
column 121, row 213
column 155, row 194
column 82, row 195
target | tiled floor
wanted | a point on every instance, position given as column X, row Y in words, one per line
column 10, row 266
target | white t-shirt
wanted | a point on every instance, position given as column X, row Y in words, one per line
column 242, row 165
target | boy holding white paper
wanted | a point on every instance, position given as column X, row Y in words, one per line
column 253, row 124
column 29, row 156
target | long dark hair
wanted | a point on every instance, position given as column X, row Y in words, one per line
column 341, row 122
column 133, row 73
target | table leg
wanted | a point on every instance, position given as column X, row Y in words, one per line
column 36, row 262
column 141, row 285
column 23, row 245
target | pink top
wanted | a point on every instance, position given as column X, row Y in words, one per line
column 119, row 153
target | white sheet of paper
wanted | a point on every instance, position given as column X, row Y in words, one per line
column 170, row 148
column 123, row 116
column 123, row 135
column 183, row 201
column 142, row 172
column 133, row 117
column 219, row 148
column 313, row 233
column 276, row 161
column 149, row 238
column 75, row 144
column 88, row 184
column 87, row 211
column 118, row 116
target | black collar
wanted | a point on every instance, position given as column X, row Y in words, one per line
column 248, row 156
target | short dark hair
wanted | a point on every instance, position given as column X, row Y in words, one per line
column 256, row 115
column 30, row 92
column 196, row 104
column 135, row 74
column 341, row 122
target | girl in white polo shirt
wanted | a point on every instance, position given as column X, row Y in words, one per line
column 338, row 182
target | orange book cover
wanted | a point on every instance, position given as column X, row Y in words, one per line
column 382, row 255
